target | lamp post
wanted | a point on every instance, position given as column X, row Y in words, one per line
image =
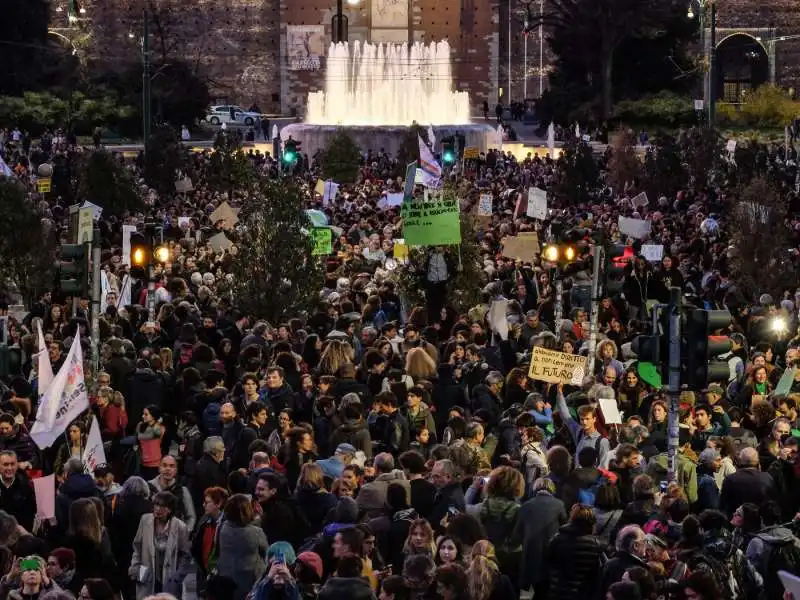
column 541, row 48
column 712, row 51
column 339, row 25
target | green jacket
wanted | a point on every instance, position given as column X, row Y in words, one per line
column 687, row 473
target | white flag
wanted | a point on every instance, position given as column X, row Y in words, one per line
column 44, row 369
column 94, row 455
column 4, row 169
column 431, row 136
column 64, row 400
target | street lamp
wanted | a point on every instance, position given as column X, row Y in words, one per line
column 712, row 52
column 339, row 24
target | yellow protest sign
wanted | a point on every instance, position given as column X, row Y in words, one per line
column 471, row 152
column 557, row 367
column 44, row 185
column 400, row 250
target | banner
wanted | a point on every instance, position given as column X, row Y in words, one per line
column 431, row 170
column 63, row 401
column 557, row 367
column 127, row 230
column 323, row 241
column 635, row 228
column 94, row 455
column 436, row 222
column 485, row 205
column 330, row 190
column 44, row 370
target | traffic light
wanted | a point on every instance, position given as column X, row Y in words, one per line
column 73, row 270
column 290, row 151
column 141, row 252
column 701, row 347
column 561, row 254
column 448, row 153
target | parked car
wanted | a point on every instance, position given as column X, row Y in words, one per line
column 216, row 115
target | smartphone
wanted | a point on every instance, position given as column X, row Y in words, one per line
column 280, row 558
column 29, row 564
column 663, row 487
column 452, row 511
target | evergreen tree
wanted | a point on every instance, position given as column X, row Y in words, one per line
column 664, row 173
column 104, row 180
column 230, row 169
column 166, row 156
column 580, row 176
column 341, row 159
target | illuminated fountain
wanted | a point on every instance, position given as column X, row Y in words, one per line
column 375, row 91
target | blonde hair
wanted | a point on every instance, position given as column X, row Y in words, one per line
column 335, row 354
column 311, row 477
column 420, row 365
column 430, row 543
column 481, row 574
column 84, row 520
column 506, row 482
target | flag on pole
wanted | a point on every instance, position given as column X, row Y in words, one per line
column 431, row 171
column 551, row 140
column 4, row 169
column 431, row 136
column 63, row 401
column 94, row 455
column 44, row 369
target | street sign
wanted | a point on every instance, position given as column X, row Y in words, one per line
column 44, row 185
column 471, row 152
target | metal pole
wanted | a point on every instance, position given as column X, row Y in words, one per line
column 674, row 380
column 559, row 308
column 712, row 66
column 151, row 293
column 594, row 316
column 339, row 21
column 96, row 295
column 525, row 66
column 541, row 48
column 509, row 54
column 146, row 79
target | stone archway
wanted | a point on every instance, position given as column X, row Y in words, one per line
column 742, row 65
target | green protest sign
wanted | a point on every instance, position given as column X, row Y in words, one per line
column 434, row 222
column 323, row 241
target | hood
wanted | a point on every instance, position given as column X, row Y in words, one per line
column 408, row 514
column 78, row 485
column 145, row 374
column 424, row 411
column 396, row 475
column 585, row 477
column 719, row 544
column 354, row 426
column 778, row 534
column 500, row 509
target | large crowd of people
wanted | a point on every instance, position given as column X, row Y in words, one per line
column 375, row 449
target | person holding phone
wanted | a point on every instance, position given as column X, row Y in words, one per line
column 31, row 573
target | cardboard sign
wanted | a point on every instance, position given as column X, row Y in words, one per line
column 319, row 189
column 219, row 242
column 653, row 252
column 435, row 222
column 557, row 367
column 640, row 200
column 471, row 152
column 323, row 241
column 485, row 205
column 400, row 250
column 44, row 489
column 182, row 186
column 635, row 228
column 497, row 318
column 85, row 225
column 44, row 185
column 524, row 246
column 537, row 204
column 225, row 213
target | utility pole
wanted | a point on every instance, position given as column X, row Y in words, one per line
column 559, row 305
column 541, row 48
column 597, row 262
column 674, row 379
column 147, row 120
column 712, row 66
column 96, row 295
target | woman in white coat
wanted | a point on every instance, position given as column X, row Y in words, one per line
column 161, row 550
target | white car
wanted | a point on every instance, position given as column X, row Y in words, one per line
column 217, row 115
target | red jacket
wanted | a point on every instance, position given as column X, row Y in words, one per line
column 113, row 421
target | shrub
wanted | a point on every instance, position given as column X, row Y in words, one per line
column 766, row 107
column 665, row 109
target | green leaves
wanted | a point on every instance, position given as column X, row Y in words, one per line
column 341, row 159
column 103, row 180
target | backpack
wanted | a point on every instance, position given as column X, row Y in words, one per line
column 588, row 495
column 780, row 556
column 499, row 530
column 724, row 574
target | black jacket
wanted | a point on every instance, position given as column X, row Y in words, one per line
column 93, row 560
column 282, row 520
column 538, row 521
column 573, row 564
column 19, row 500
column 450, row 495
column 75, row 487
column 237, row 439
column 351, row 588
column 124, row 523
column 615, row 568
column 207, row 473
column 745, row 485
column 355, row 433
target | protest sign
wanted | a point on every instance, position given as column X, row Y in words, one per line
column 85, row 225
column 785, row 383
column 219, row 242
column 329, row 192
column 400, row 250
column 44, row 489
column 94, row 455
column 524, row 246
column 319, row 189
column 640, row 200
column 497, row 318
column 537, row 204
column 471, row 152
column 610, row 410
column 323, row 241
column 653, row 252
column 731, row 146
column 391, row 200
column 127, row 230
column 435, row 222
column 557, row 367
column 225, row 213
column 635, row 228
column 183, row 186
column 485, row 205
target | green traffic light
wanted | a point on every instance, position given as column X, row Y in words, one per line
column 449, row 157
column 288, row 157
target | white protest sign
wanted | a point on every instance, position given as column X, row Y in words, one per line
column 485, row 205
column 537, row 204
column 635, row 228
column 653, row 252
column 329, row 192
column 391, row 200
column 610, row 410
column 127, row 230
column 731, row 146
column 94, row 454
column 497, row 318
column 220, row 242
column 640, row 200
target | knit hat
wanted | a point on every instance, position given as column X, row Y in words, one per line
column 346, row 510
column 65, row 557
column 312, row 560
column 284, row 548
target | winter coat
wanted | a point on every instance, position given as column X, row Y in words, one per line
column 242, row 555
column 237, row 439
column 279, row 398
column 616, row 567
column 687, row 473
column 355, row 433
column 93, row 560
column 372, row 496
column 484, row 399
column 185, row 510
column 351, row 588
column 177, row 557
column 315, row 505
column 538, row 521
column 573, row 564
column 283, row 520
column 423, row 419
column 450, row 495
column 75, row 487
column 19, row 500
column 124, row 522
column 746, row 485
column 207, row 473
column 534, row 463
column 145, row 387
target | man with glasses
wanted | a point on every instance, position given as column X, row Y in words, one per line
column 16, row 493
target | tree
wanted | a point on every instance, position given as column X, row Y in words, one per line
column 701, row 152
column 275, row 275
column 26, row 243
column 341, row 158
column 230, row 170
column 664, row 173
column 580, row 175
column 409, row 145
column 760, row 243
column 104, row 180
column 624, row 165
column 166, row 156
column 638, row 46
